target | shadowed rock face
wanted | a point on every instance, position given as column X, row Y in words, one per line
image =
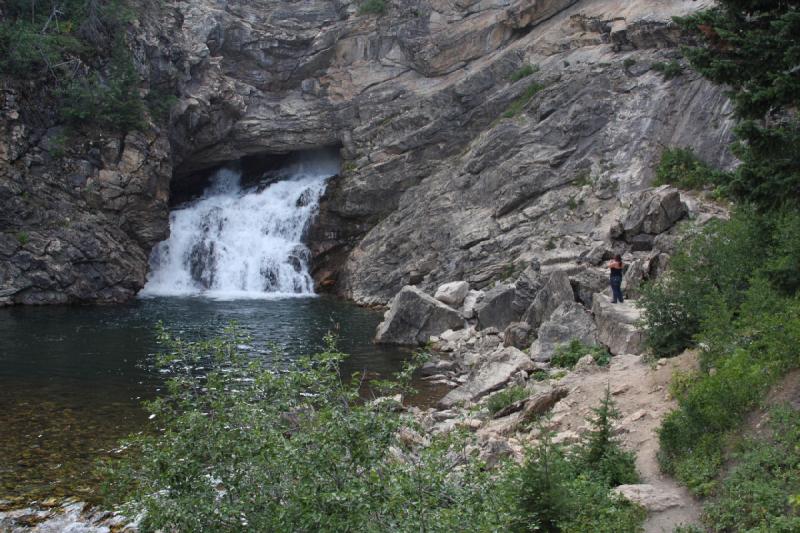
column 436, row 185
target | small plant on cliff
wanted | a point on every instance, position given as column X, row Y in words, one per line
column 567, row 355
column 669, row 70
column 524, row 72
column 373, row 7
column 113, row 102
column 519, row 104
column 23, row 238
column 506, row 397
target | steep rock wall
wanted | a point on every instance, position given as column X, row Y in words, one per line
column 436, row 183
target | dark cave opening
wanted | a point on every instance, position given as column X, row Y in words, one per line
column 257, row 170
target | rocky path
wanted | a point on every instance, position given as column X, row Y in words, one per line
column 640, row 392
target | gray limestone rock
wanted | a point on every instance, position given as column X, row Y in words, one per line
column 414, row 317
column 567, row 322
column 652, row 498
column 518, row 335
column 470, row 301
column 556, row 290
column 652, row 211
column 490, row 376
column 617, row 326
column 452, row 293
column 495, row 309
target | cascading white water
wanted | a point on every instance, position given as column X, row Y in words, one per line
column 242, row 243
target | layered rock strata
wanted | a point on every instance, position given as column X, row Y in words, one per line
column 476, row 136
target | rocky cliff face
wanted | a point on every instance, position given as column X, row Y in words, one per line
column 452, row 167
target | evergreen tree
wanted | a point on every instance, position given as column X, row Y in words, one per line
column 753, row 47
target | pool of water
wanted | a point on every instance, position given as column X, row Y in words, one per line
column 72, row 378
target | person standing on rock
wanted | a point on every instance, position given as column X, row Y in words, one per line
column 616, row 266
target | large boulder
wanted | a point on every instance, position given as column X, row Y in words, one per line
column 452, row 293
column 618, row 326
column 588, row 282
column 495, row 309
column 652, row 498
column 414, row 317
column 652, row 211
column 567, row 322
column 470, row 302
column 555, row 291
column 490, row 376
column 518, row 335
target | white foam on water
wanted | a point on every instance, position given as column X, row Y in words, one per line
column 236, row 243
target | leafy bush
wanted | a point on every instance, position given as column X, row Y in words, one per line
column 293, row 450
column 506, row 397
column 517, row 105
column 524, row 72
column 740, row 365
column 567, row 355
column 681, row 167
column 375, row 7
column 299, row 449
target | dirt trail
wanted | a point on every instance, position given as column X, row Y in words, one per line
column 640, row 393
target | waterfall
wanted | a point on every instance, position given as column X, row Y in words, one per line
column 237, row 242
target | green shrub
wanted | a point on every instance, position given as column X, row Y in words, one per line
column 629, row 62
column 23, row 238
column 506, row 397
column 524, row 72
column 681, row 167
column 292, row 450
column 519, row 104
column 567, row 355
column 739, row 368
column 756, row 494
column 298, row 449
column 712, row 265
column 569, row 492
column 375, row 7
column 670, row 70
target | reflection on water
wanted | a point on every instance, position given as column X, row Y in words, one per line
column 72, row 378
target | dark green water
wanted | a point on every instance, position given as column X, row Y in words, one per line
column 72, row 378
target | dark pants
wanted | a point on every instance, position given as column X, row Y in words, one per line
column 616, row 289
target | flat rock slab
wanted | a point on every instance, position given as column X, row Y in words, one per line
column 414, row 317
column 652, row 498
column 492, row 374
column 617, row 326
